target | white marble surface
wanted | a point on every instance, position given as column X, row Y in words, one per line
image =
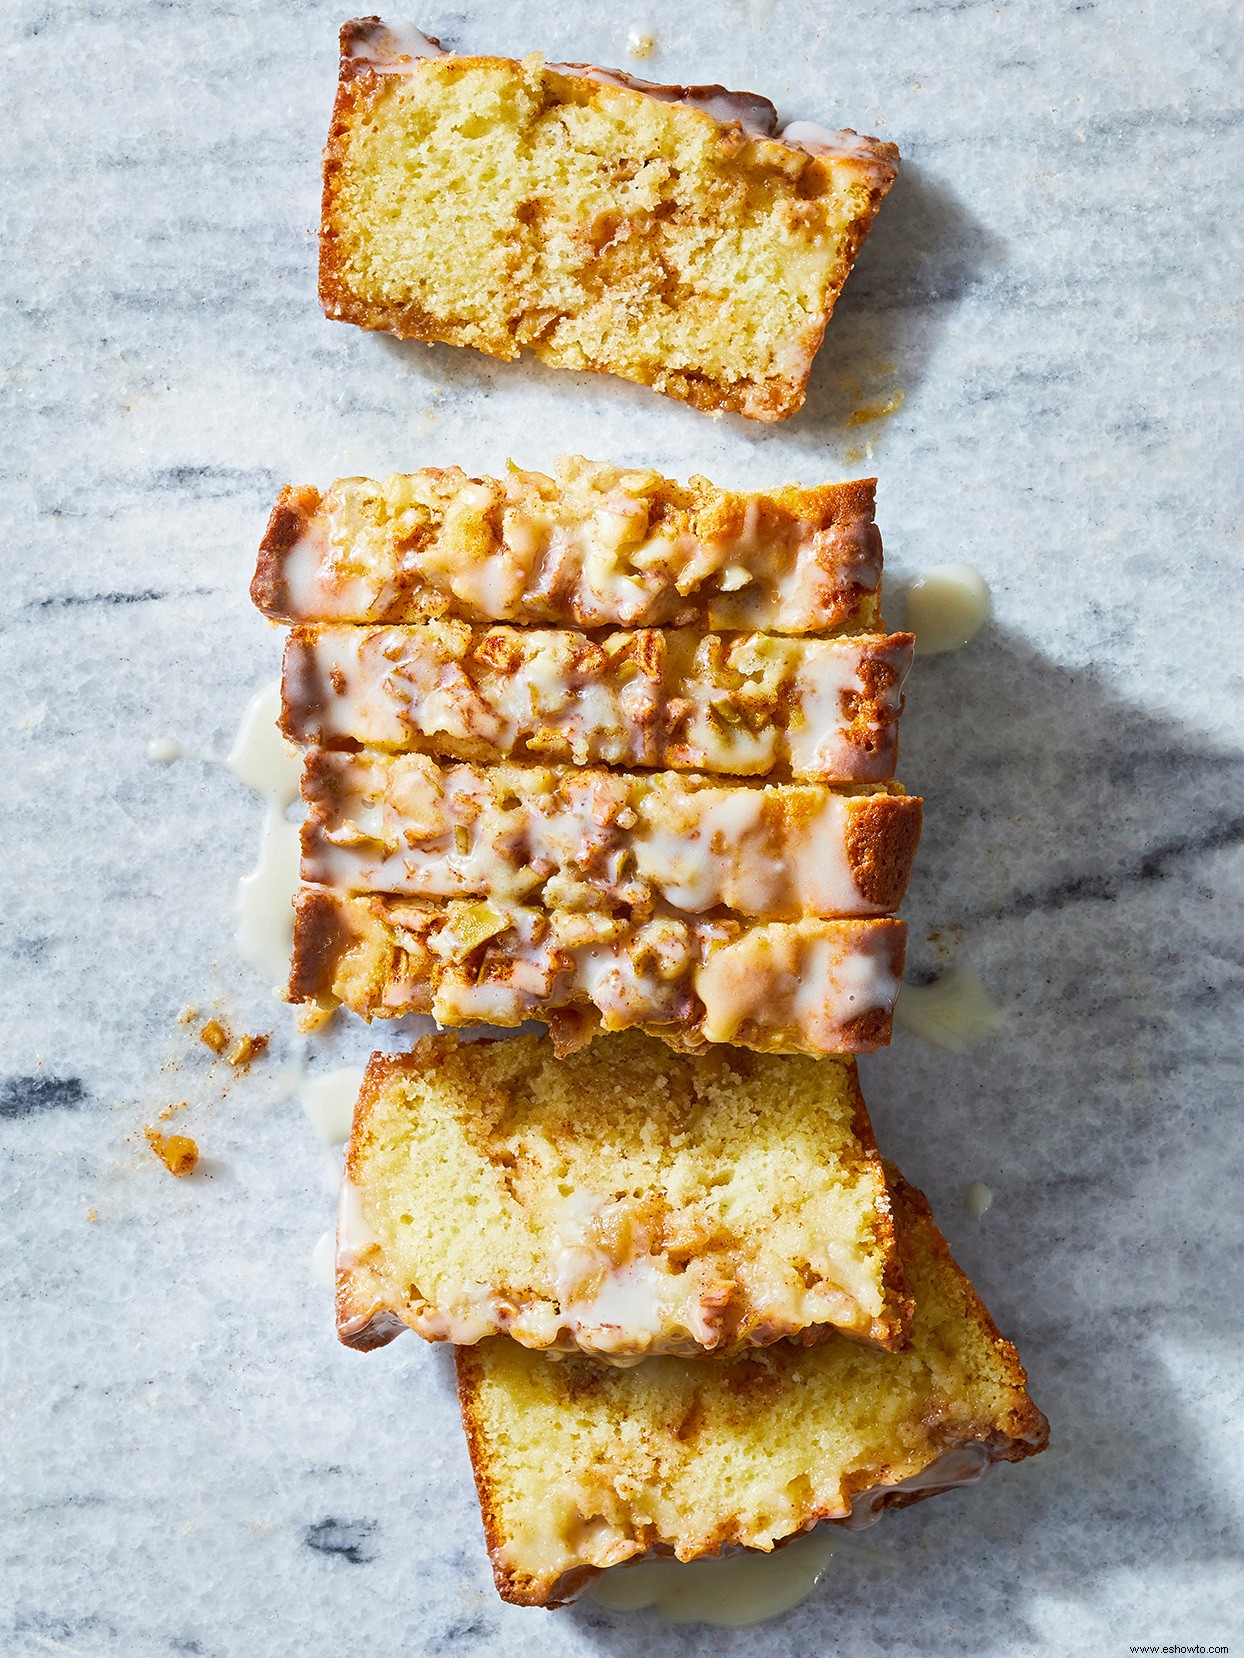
column 189, row 1463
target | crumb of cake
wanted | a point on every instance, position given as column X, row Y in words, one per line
column 172, row 1110
column 877, row 411
column 314, row 1017
column 92, row 1215
column 215, row 1036
column 178, row 1152
column 188, row 1014
column 640, row 43
column 629, row 1200
column 247, row 1048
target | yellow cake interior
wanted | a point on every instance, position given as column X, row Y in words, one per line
column 579, row 1466
column 625, row 1199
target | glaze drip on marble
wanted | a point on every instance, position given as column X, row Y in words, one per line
column 1054, row 286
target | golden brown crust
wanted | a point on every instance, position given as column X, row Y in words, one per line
column 872, row 162
column 321, row 936
column 1026, row 1429
column 883, row 833
column 295, row 507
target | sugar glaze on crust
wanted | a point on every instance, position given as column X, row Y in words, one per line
column 589, row 839
column 740, row 704
column 810, row 986
column 594, row 546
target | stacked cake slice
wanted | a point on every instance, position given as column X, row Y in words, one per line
column 599, row 748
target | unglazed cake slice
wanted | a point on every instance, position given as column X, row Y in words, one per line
column 624, row 1200
column 742, row 704
column 593, row 546
column 810, row 986
column 580, row 1466
column 665, row 234
column 587, row 839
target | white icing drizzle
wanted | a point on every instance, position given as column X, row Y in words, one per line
column 322, row 1265
column 262, row 760
column 979, row 1199
column 953, row 1012
column 733, row 1593
column 164, row 750
column 355, row 1237
column 328, row 1101
column 417, row 686
column 946, row 608
column 819, row 140
column 380, row 44
column 265, row 931
column 737, row 1590
column 633, row 1306
column 260, row 757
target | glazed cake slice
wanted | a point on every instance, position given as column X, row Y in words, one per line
column 810, row 986
column 625, row 1200
column 594, row 546
column 580, row 1466
column 742, row 704
column 666, row 234
column 590, row 839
